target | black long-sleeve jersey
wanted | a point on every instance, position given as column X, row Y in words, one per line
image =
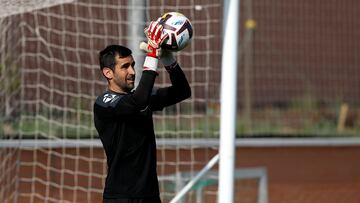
column 125, row 127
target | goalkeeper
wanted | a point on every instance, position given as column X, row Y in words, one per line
column 123, row 118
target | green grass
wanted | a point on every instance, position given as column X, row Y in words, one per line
column 41, row 128
column 265, row 122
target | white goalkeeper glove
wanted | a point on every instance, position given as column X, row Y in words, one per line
column 167, row 58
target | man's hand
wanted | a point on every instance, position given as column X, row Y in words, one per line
column 155, row 35
column 167, row 58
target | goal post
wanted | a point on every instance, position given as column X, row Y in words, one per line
column 136, row 17
column 14, row 7
column 228, row 102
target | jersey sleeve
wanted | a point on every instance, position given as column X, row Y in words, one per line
column 178, row 91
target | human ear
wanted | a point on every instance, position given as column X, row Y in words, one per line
column 108, row 73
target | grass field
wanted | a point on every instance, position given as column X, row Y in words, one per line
column 264, row 122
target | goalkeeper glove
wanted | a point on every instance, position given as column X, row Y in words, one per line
column 154, row 34
column 167, row 58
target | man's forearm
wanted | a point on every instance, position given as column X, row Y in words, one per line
column 179, row 82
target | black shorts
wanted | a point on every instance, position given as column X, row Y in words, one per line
column 133, row 200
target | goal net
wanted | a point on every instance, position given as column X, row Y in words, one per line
column 298, row 75
column 50, row 77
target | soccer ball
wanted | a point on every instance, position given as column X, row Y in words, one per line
column 179, row 29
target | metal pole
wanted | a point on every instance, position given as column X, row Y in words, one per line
column 190, row 184
column 137, row 18
column 228, row 103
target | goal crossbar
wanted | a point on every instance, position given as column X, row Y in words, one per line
column 13, row 7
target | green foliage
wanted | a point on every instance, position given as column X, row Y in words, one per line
column 10, row 77
column 180, row 122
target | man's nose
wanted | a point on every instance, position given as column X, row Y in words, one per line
column 131, row 70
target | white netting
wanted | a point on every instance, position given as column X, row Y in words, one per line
column 13, row 7
column 50, row 74
column 298, row 75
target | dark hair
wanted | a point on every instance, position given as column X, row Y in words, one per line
column 107, row 56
